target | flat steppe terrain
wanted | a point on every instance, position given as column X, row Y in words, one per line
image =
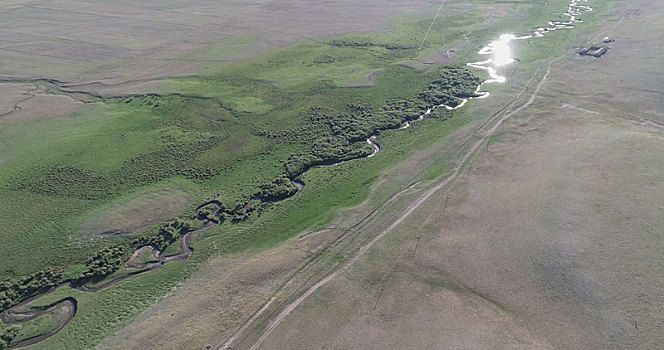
column 126, row 46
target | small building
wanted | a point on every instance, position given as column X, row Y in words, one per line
column 594, row 51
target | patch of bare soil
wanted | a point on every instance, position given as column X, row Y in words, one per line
column 11, row 94
column 368, row 81
column 137, row 214
column 43, row 106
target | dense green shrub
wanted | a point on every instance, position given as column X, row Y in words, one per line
column 13, row 292
column 208, row 212
column 450, row 86
column 7, row 334
column 167, row 234
column 280, row 188
column 242, row 211
column 104, row 263
column 404, row 109
column 347, row 132
column 324, row 59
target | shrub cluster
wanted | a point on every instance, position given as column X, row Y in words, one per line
column 280, row 188
column 347, row 130
column 407, row 110
column 387, row 46
column 13, row 292
column 167, row 234
column 324, row 59
column 110, row 259
column 450, row 87
column 241, row 212
column 7, row 334
column 323, row 153
column 291, row 135
column 104, row 263
column 98, row 266
column 208, row 212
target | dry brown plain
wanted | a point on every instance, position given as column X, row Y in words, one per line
column 124, row 47
column 128, row 47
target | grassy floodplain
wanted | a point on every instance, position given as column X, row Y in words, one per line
column 221, row 136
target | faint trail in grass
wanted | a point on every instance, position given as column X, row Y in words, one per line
column 432, row 23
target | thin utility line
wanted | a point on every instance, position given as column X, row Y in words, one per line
column 432, row 22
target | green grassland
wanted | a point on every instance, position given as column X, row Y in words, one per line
column 228, row 136
column 224, row 136
column 30, row 329
column 143, row 257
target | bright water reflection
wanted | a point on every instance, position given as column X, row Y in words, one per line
column 501, row 55
column 501, row 49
